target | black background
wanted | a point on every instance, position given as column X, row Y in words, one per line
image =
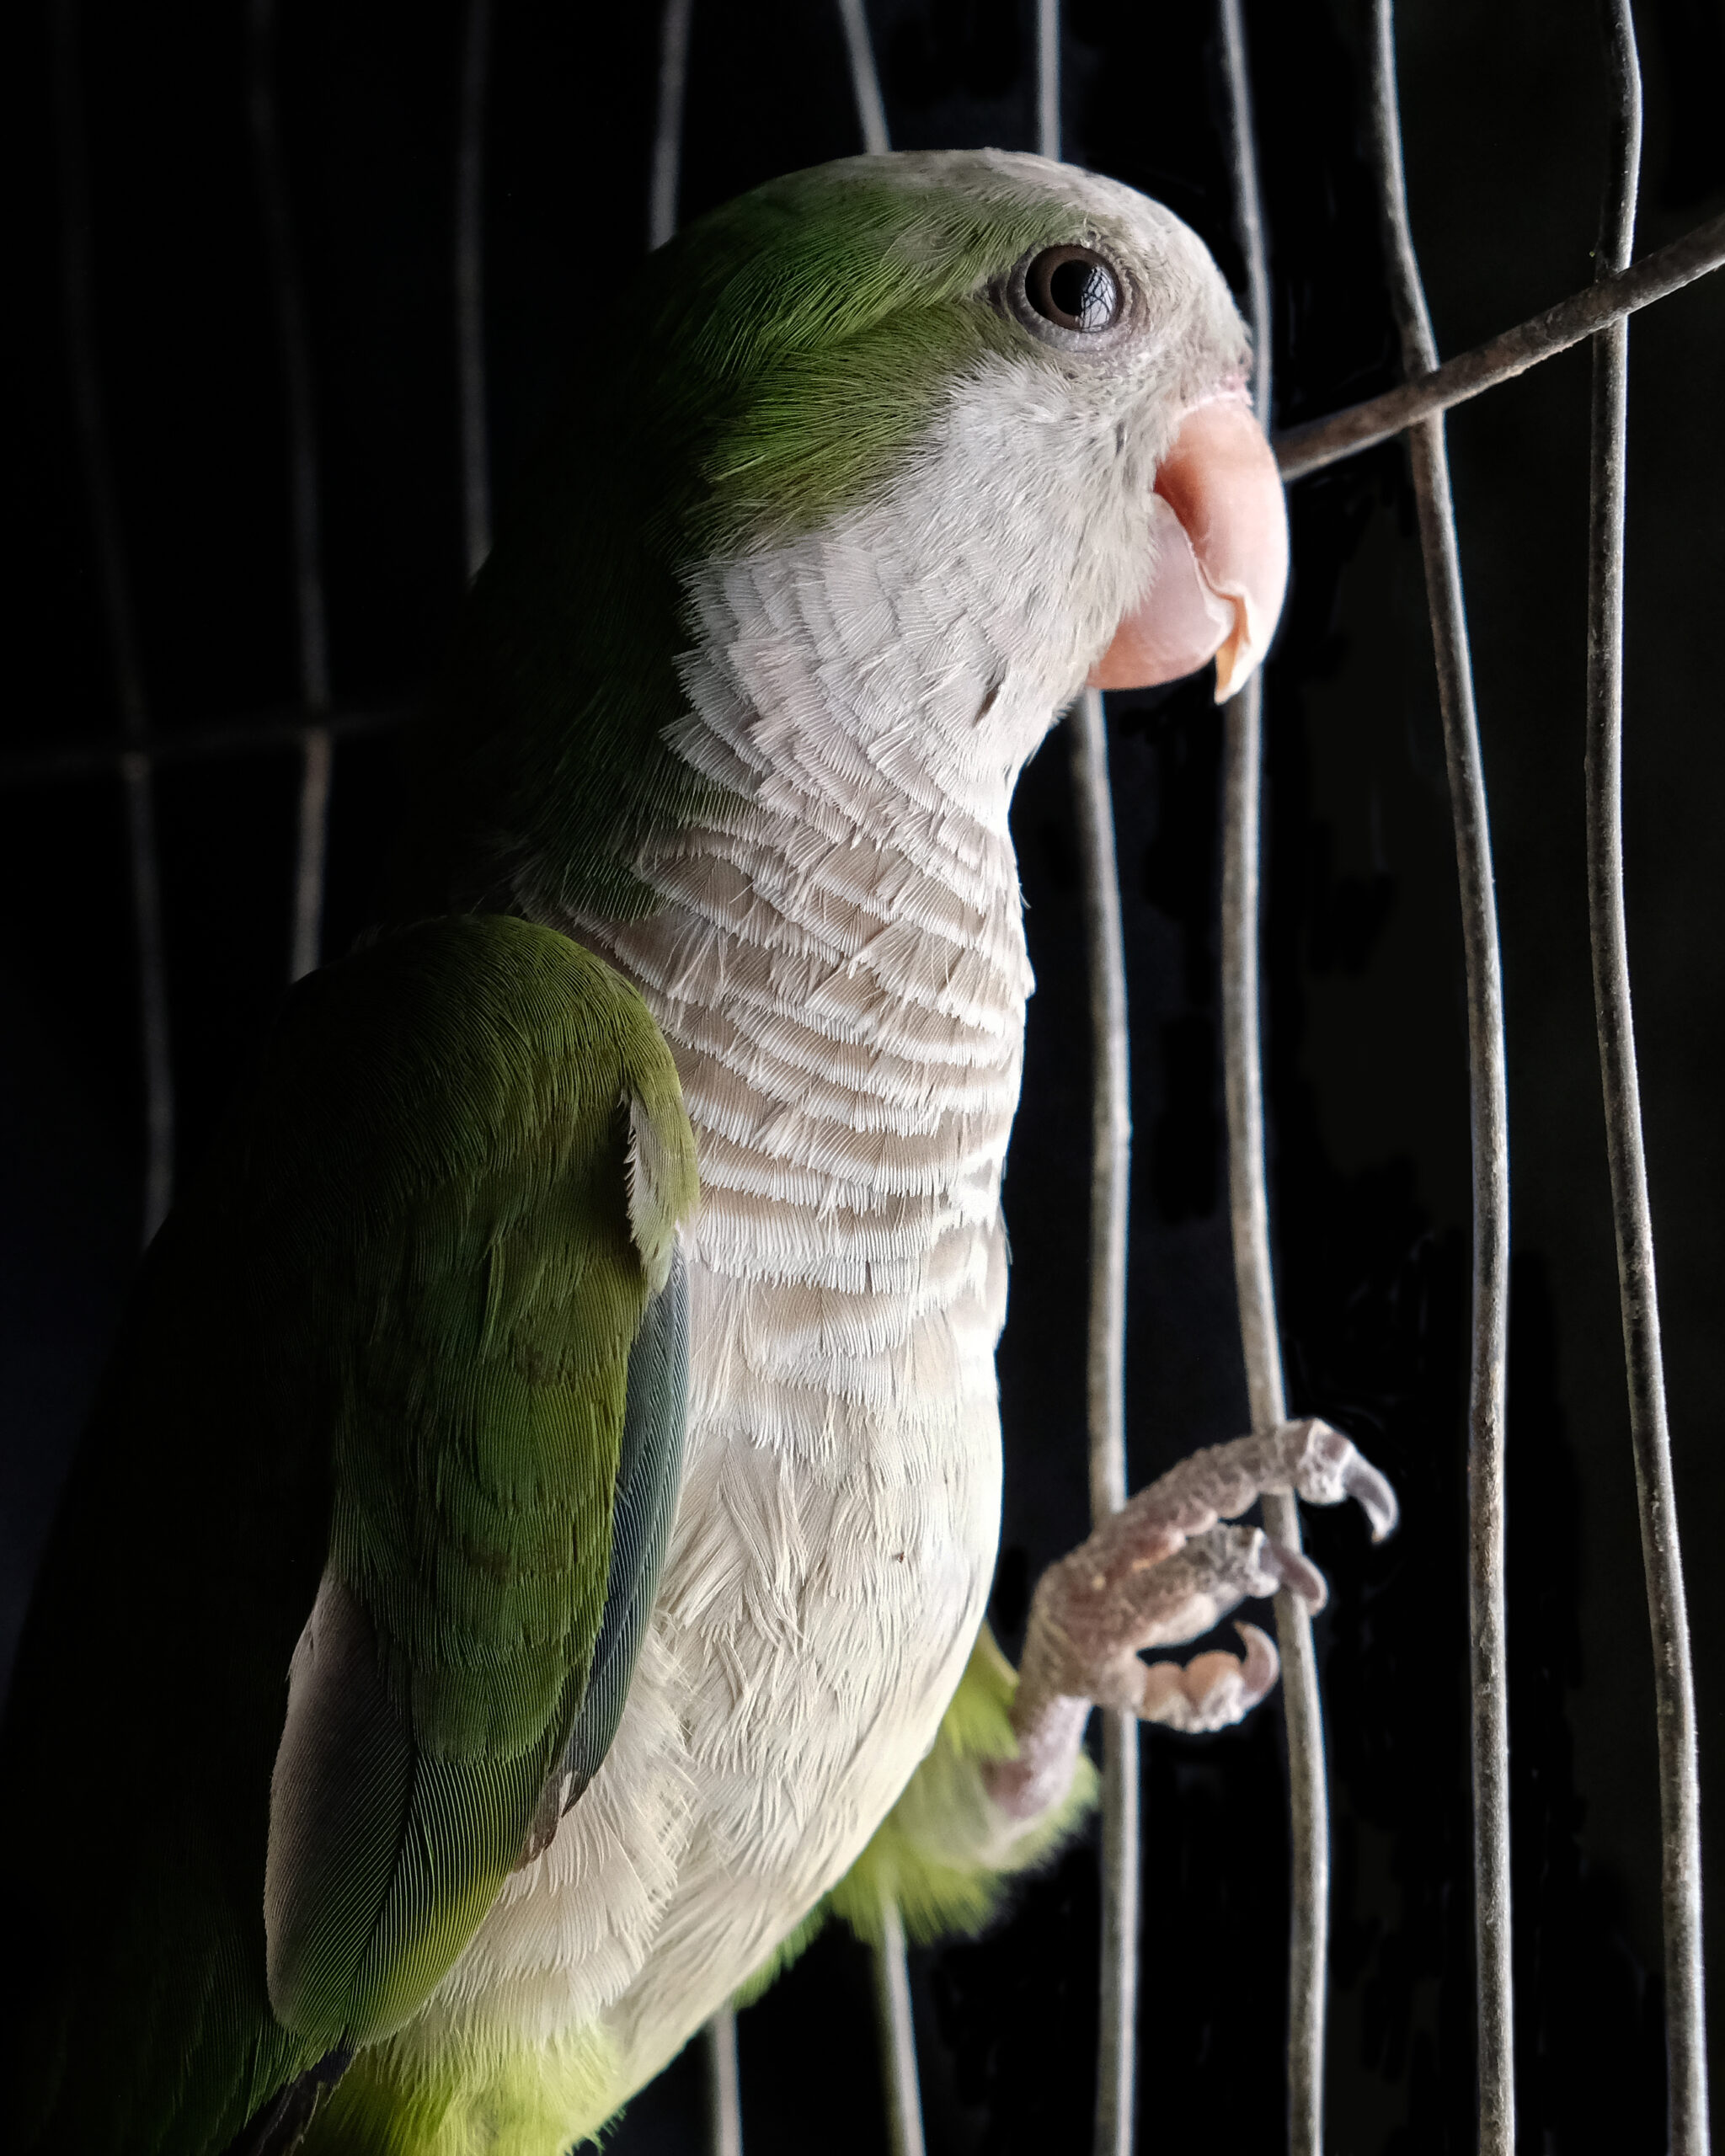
column 1504, row 116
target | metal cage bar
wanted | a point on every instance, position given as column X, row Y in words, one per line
column 132, row 760
column 1248, row 1207
column 295, row 352
column 1047, row 78
column 897, row 2029
column 1489, row 1689
column 725, row 2100
column 865, row 80
column 238, row 737
column 668, row 122
column 1316, row 443
column 1110, row 1184
column 1674, row 1681
column 469, row 280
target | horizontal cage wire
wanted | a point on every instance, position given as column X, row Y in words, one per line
column 960, row 2027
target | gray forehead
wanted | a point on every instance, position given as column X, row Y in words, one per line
column 1189, row 297
column 1144, row 228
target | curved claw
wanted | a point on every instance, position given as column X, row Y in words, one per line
column 1372, row 1494
column 1262, row 1665
column 1212, row 1691
column 1330, row 1468
column 1295, row 1572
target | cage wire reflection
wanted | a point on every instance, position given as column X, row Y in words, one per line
column 1415, row 410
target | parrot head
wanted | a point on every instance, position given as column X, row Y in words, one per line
column 914, row 440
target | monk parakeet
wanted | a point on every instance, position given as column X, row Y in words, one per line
column 528, row 1560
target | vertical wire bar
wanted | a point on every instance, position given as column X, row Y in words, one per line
column 892, row 1977
column 1674, row 1681
column 470, row 286
column 317, row 760
column 1248, row 1206
column 724, row 2106
column 306, row 949
column 865, row 80
column 1489, row 1117
column 1110, row 1185
column 1105, row 1381
column 898, row 2035
column 668, row 122
column 77, row 300
column 1047, row 78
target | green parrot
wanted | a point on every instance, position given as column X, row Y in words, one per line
column 526, row 1565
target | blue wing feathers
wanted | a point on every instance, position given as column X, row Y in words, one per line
column 649, row 1470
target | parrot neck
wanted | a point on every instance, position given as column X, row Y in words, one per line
column 835, row 954
column 835, row 946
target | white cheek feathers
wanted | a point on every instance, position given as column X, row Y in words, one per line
column 1219, row 531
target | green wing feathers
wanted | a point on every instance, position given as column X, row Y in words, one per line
column 476, row 1466
column 324, row 1600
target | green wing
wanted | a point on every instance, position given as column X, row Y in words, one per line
column 336, row 1618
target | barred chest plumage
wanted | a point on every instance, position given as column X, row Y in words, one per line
column 837, row 961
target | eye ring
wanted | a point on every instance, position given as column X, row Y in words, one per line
column 1072, row 296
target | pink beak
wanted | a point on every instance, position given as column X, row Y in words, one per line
column 1220, row 527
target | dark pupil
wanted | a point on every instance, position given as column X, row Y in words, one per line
column 1083, row 292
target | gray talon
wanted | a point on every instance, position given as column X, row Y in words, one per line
column 1262, row 1665
column 1372, row 1494
column 1296, row 1573
column 1330, row 1468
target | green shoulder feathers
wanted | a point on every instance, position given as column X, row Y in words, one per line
column 343, row 1599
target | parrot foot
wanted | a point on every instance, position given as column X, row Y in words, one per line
column 1162, row 1569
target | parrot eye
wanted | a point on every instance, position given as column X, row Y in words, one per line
column 1073, row 288
column 1068, row 289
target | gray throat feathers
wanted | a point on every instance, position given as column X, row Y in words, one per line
column 837, row 960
